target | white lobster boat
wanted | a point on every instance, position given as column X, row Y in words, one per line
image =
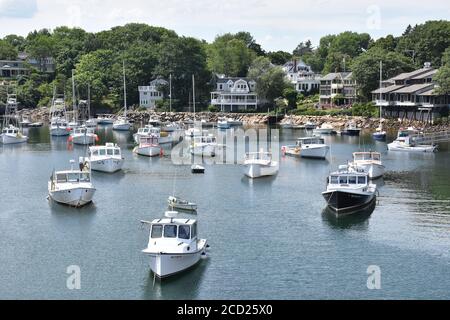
column 404, row 143
column 148, row 146
column 370, row 162
column 309, row 147
column 173, row 245
column 12, row 135
column 260, row 164
column 83, row 135
column 325, row 128
column 72, row 187
column 107, row 158
column 59, row 127
column 105, row 119
column 149, row 130
column 204, row 146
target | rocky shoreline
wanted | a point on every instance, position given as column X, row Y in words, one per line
column 338, row 122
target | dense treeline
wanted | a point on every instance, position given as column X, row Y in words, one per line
column 151, row 52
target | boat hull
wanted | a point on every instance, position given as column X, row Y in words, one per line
column 373, row 170
column 122, row 127
column 167, row 264
column 309, row 152
column 151, row 151
column 84, row 139
column 76, row 197
column 323, row 131
column 258, row 170
column 351, row 132
column 346, row 202
column 13, row 139
column 405, row 148
column 379, row 136
column 59, row 132
column 110, row 165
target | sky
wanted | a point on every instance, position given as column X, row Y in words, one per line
column 275, row 24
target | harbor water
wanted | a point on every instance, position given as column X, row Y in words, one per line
column 270, row 238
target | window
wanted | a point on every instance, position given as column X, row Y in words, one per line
column 352, row 180
column 73, row 177
column 183, row 232
column 194, row 231
column 102, row 152
column 61, row 177
column 334, row 180
column 170, row 231
column 117, row 152
column 156, row 231
column 343, row 180
column 109, row 152
column 361, row 180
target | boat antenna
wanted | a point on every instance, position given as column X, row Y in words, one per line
column 124, row 90
column 170, row 93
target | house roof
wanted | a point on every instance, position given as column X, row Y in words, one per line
column 234, row 79
column 414, row 88
column 334, row 75
column 409, row 75
column 425, row 75
column 388, row 89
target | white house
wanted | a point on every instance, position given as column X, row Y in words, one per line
column 233, row 94
column 302, row 76
column 148, row 95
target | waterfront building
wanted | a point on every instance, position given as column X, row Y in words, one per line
column 234, row 94
column 149, row 95
column 302, row 76
column 11, row 69
column 337, row 89
column 412, row 95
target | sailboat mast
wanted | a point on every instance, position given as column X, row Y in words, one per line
column 89, row 101
column 381, row 86
column 74, row 102
column 124, row 90
column 170, row 93
column 193, row 93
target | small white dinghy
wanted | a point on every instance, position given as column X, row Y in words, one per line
column 196, row 168
column 148, row 146
column 178, row 203
column 173, row 245
column 107, row 158
column 260, row 164
column 72, row 187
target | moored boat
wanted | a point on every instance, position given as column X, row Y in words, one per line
column 107, row 158
column 178, row 203
column 72, row 187
column 370, row 162
column 349, row 190
column 308, row 147
column 148, row 146
column 260, row 164
column 173, row 245
column 83, row 135
column 325, row 128
column 204, row 146
column 405, row 143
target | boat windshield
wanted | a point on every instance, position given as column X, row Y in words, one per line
column 366, row 156
column 61, row 177
column 117, row 152
column 156, row 231
column 102, row 152
column 170, row 231
column 194, row 231
column 73, row 177
column 110, row 152
column 334, row 180
column 183, row 232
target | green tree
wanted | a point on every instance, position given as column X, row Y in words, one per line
column 270, row 80
column 7, row 51
column 366, row 69
column 443, row 75
column 302, row 49
column 427, row 41
column 230, row 56
column 41, row 46
column 279, row 57
column 291, row 95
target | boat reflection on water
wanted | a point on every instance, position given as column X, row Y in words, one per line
column 358, row 219
column 183, row 286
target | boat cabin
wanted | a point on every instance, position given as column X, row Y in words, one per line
column 148, row 130
column 83, row 130
column 310, row 140
column 205, row 139
column 148, row 140
column 10, row 131
column 347, row 179
column 73, row 176
column 264, row 156
column 180, row 230
column 366, row 156
column 109, row 149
